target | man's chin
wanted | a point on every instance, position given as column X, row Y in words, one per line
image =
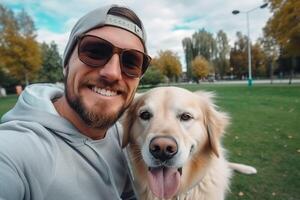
column 100, row 114
column 99, row 121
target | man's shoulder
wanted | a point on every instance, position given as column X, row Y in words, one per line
column 21, row 140
column 20, row 128
column 27, row 156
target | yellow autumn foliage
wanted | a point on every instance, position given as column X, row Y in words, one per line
column 200, row 67
column 284, row 25
column 20, row 55
column 168, row 63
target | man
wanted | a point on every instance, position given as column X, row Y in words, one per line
column 65, row 144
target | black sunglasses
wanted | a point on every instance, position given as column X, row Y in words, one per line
column 96, row 52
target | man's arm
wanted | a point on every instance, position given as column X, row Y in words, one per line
column 11, row 185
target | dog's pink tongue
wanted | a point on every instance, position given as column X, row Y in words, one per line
column 164, row 182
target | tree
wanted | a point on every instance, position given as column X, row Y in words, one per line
column 223, row 50
column 271, row 50
column 153, row 76
column 51, row 70
column 20, row 54
column 202, row 44
column 284, row 27
column 7, row 81
column 7, row 26
column 200, row 67
column 188, row 52
column 238, row 56
column 258, row 60
column 168, row 63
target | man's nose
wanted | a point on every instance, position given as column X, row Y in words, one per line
column 111, row 71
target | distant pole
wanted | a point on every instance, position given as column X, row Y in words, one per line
column 249, row 52
column 235, row 12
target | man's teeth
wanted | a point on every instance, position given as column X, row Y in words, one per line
column 104, row 92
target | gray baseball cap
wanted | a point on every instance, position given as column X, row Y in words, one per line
column 96, row 19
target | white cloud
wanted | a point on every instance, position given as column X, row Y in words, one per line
column 160, row 18
column 44, row 35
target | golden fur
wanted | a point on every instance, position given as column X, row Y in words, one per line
column 205, row 171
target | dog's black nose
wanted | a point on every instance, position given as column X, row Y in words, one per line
column 163, row 147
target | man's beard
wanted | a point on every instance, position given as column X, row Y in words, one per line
column 92, row 119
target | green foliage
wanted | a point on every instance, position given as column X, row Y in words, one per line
column 221, row 62
column 204, row 44
column 51, row 70
column 188, row 53
column 214, row 50
column 153, row 76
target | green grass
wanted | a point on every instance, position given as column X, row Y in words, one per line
column 7, row 103
column 264, row 132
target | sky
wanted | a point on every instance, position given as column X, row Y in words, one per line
column 167, row 22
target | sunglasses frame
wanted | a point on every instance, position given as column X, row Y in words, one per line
column 115, row 50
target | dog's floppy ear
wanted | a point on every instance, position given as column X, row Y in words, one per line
column 215, row 121
column 212, row 140
column 126, row 124
column 127, row 120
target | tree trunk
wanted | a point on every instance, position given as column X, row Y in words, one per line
column 271, row 71
column 292, row 69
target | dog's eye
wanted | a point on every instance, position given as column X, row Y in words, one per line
column 145, row 115
column 185, row 117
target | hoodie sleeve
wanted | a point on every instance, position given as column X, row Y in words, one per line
column 26, row 161
column 11, row 184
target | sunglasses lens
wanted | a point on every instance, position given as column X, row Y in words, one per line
column 94, row 52
column 132, row 62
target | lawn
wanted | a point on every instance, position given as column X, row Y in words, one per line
column 264, row 132
column 6, row 103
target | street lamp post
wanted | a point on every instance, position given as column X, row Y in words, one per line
column 235, row 12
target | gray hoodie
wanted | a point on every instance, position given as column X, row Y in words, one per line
column 44, row 157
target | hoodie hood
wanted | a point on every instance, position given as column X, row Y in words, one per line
column 35, row 105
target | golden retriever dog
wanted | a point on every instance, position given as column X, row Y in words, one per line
column 173, row 138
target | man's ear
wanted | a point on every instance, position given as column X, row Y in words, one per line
column 215, row 121
column 65, row 70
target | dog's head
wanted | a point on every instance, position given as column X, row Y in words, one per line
column 172, row 135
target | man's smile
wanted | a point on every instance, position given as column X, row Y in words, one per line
column 104, row 92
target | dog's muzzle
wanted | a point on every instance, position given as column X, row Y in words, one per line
column 163, row 148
